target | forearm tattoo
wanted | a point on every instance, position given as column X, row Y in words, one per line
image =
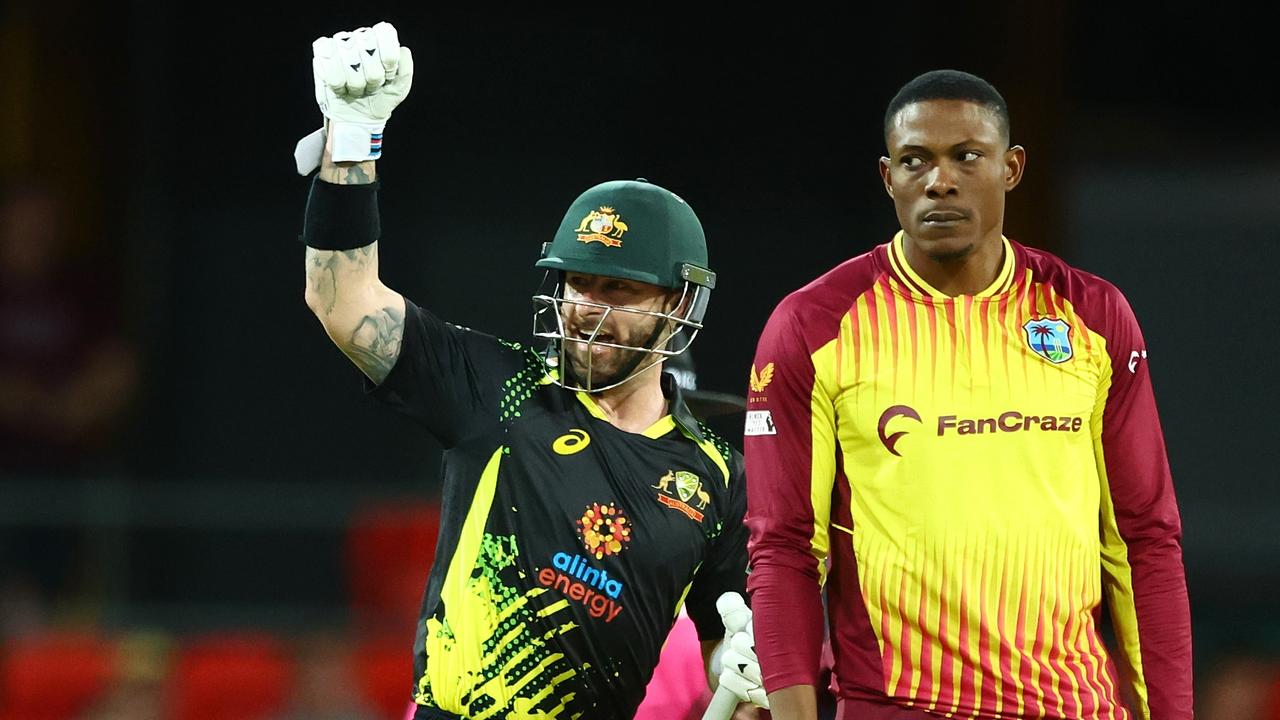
column 359, row 173
column 375, row 344
column 326, row 267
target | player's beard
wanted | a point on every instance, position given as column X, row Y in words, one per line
column 950, row 255
column 612, row 365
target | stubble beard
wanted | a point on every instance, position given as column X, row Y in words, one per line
column 619, row 363
column 601, row 375
column 947, row 257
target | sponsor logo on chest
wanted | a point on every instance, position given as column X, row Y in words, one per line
column 898, row 421
column 578, row 580
column 605, row 531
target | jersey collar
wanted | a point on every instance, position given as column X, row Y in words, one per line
column 902, row 270
column 678, row 412
column 679, row 409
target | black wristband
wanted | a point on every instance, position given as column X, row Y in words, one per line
column 341, row 217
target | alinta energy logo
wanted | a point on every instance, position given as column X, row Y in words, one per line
column 605, row 529
column 1009, row 421
column 891, row 441
column 577, row 579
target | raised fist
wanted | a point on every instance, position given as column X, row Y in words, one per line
column 360, row 77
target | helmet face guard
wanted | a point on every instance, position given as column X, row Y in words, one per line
column 632, row 230
column 673, row 331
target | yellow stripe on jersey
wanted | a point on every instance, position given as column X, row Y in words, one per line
column 448, row 661
column 712, row 452
column 463, row 665
column 663, row 426
column 684, row 594
column 591, row 405
column 823, row 467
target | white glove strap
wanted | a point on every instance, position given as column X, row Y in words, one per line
column 309, row 151
column 356, row 142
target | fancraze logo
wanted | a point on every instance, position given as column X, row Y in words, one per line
column 890, row 441
column 1011, row 421
column 580, row 581
column 1006, row 422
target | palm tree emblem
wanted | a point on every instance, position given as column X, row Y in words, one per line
column 1050, row 339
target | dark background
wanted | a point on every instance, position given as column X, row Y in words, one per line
column 222, row 495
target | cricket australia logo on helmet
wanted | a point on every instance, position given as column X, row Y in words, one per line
column 602, row 226
column 665, row 247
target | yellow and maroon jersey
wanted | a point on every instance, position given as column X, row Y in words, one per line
column 971, row 477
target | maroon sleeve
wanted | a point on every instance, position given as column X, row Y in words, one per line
column 788, row 537
column 1144, row 574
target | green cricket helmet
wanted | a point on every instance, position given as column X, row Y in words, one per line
column 633, row 230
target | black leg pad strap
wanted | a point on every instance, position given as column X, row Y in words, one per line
column 341, row 217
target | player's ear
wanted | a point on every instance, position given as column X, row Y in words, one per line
column 884, row 175
column 1015, row 162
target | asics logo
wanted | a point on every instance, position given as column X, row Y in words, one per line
column 574, row 441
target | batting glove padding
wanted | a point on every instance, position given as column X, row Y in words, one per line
column 360, row 77
column 739, row 668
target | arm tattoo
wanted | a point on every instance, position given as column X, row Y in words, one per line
column 324, row 267
column 348, row 173
column 375, row 344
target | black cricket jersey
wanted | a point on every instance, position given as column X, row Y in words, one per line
column 567, row 546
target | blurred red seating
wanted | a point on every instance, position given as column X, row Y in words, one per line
column 237, row 676
column 389, row 550
column 1273, row 701
column 55, row 676
column 383, row 670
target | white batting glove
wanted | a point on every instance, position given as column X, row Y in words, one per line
column 739, row 668
column 360, row 77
